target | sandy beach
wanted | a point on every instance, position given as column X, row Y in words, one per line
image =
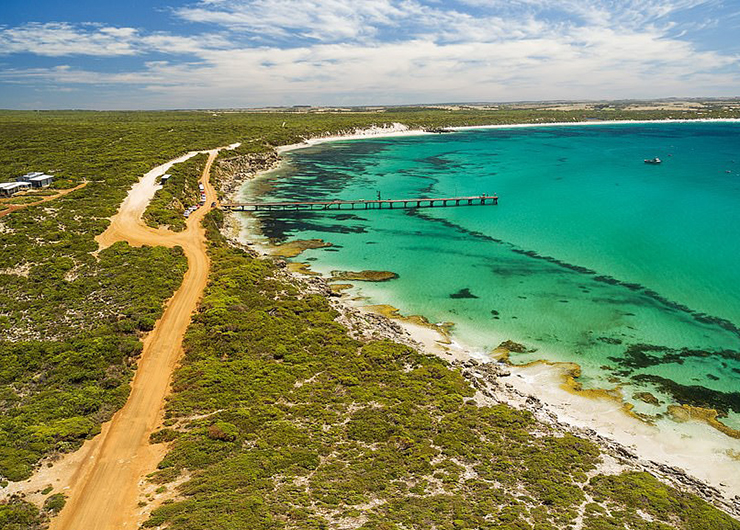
column 399, row 129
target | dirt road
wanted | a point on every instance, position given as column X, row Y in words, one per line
column 15, row 207
column 103, row 490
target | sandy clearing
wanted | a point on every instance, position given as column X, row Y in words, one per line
column 102, row 478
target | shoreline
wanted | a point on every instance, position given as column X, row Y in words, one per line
column 398, row 129
column 542, row 383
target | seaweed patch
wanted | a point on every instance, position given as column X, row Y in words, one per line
column 463, row 293
column 638, row 356
column 695, row 395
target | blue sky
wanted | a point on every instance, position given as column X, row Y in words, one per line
column 241, row 53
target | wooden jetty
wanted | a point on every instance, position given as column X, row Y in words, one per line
column 384, row 204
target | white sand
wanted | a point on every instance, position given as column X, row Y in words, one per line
column 398, row 129
column 395, row 129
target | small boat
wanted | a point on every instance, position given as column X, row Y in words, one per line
column 655, row 160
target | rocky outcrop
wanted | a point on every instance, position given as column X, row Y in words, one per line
column 230, row 172
column 364, row 276
column 294, row 248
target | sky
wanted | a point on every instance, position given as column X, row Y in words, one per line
column 165, row 54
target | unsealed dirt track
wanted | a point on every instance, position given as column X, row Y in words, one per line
column 15, row 207
column 104, row 488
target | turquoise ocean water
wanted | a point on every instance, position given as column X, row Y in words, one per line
column 628, row 269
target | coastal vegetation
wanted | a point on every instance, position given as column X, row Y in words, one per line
column 306, row 426
column 181, row 192
column 16, row 514
column 281, row 420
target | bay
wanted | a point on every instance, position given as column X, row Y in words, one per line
column 592, row 256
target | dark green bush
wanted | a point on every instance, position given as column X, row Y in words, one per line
column 55, row 503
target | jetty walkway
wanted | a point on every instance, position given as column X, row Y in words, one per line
column 384, row 204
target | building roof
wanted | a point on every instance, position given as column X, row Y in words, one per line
column 12, row 185
column 29, row 176
column 40, row 177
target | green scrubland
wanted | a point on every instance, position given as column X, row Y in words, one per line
column 179, row 193
column 307, row 427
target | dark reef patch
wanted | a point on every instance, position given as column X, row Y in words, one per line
column 639, row 356
column 695, row 395
column 463, row 293
column 609, row 340
column 436, row 161
column 279, row 227
column 348, row 216
column 429, row 188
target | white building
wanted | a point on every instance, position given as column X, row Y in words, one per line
column 41, row 181
column 11, row 188
column 28, row 176
column 37, row 179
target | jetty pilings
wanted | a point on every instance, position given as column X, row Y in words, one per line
column 376, row 204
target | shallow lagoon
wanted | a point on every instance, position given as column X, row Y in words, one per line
column 590, row 255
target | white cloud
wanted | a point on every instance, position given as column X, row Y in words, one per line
column 589, row 65
column 314, row 19
column 623, row 13
column 349, row 21
column 269, row 52
column 58, row 39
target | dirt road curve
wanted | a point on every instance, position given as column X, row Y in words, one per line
column 103, row 491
